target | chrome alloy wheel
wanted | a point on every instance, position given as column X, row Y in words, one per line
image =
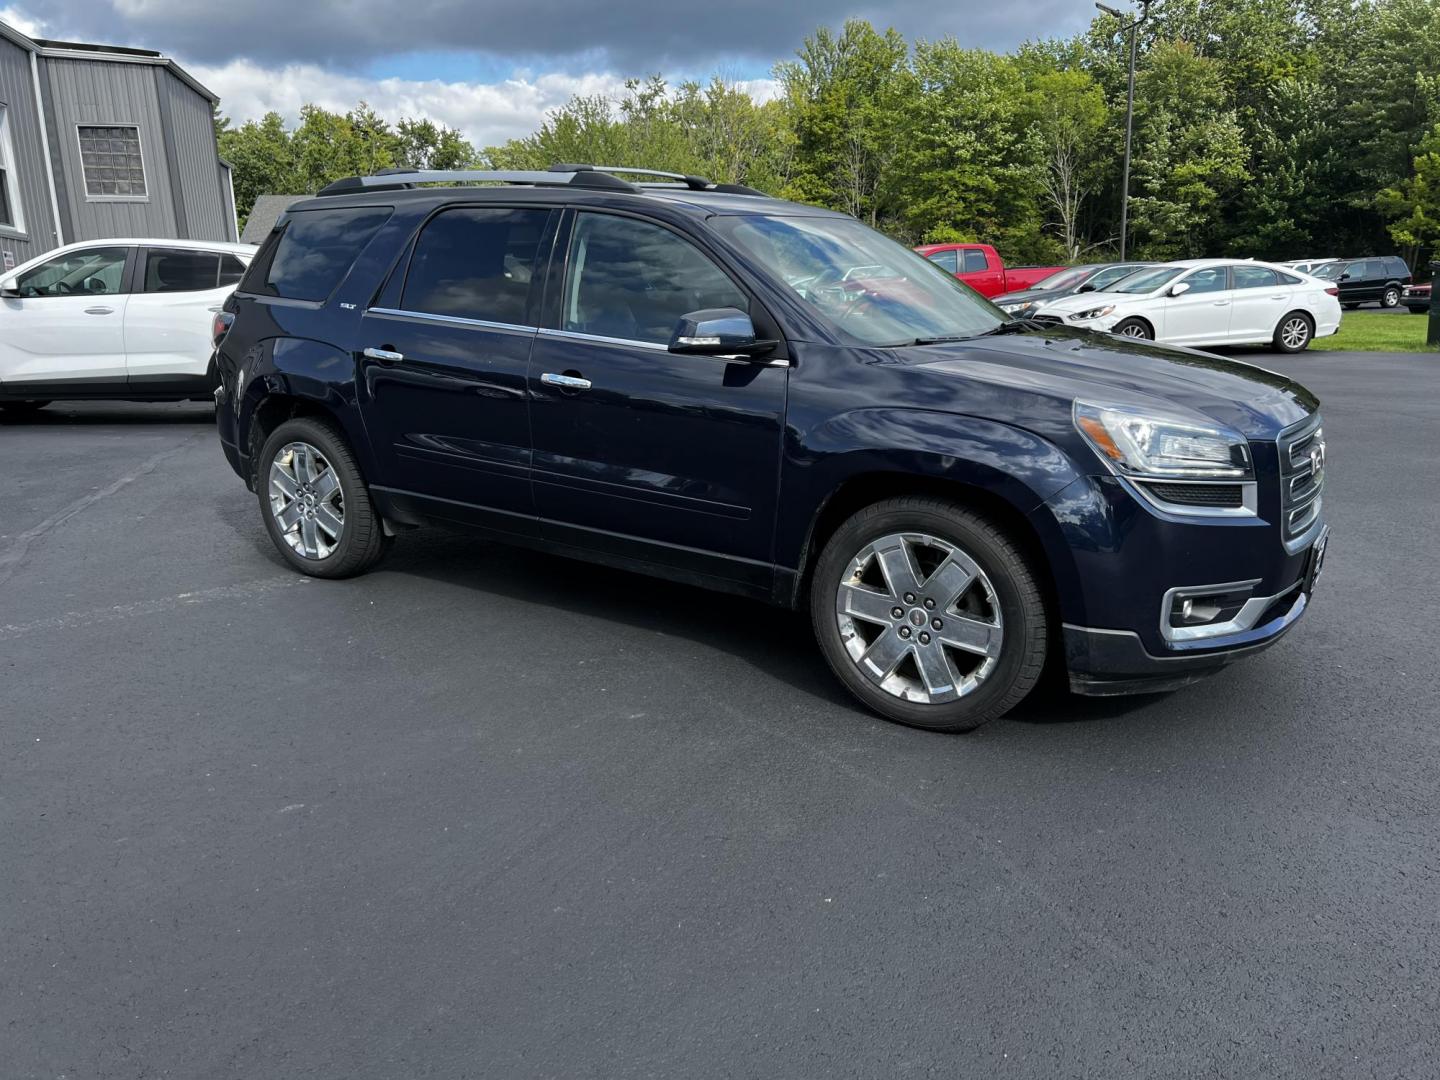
column 919, row 618
column 1295, row 332
column 1134, row 330
column 306, row 500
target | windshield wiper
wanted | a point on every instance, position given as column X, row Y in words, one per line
column 1011, row 326
column 942, row 339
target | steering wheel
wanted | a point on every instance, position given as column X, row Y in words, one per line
column 63, row 288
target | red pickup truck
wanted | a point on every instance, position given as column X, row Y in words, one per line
column 980, row 267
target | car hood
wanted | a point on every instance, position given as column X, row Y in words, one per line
column 1031, row 296
column 1067, row 305
column 1067, row 364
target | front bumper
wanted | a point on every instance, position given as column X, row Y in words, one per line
column 1109, row 662
column 1129, row 566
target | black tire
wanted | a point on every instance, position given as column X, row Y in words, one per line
column 1023, row 620
column 362, row 541
column 1349, row 307
column 21, row 408
column 1288, row 332
column 1134, row 328
column 1391, row 298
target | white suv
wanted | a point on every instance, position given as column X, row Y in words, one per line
column 127, row 319
column 1208, row 302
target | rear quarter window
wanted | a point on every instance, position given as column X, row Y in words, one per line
column 312, row 251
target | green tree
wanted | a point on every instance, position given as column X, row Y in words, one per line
column 849, row 95
column 423, row 144
column 1189, row 158
column 1069, row 118
column 1414, row 204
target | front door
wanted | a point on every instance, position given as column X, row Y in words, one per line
column 640, row 452
column 444, row 370
column 1201, row 314
column 66, row 328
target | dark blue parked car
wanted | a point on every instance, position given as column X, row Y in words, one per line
column 695, row 381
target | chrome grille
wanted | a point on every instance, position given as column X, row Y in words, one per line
column 1302, row 479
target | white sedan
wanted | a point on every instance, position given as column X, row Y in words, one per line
column 119, row 319
column 1208, row 302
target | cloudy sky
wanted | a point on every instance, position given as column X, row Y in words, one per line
column 493, row 68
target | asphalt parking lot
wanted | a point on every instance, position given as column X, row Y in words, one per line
column 491, row 814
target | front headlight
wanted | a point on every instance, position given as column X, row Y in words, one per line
column 1093, row 313
column 1141, row 442
column 1023, row 308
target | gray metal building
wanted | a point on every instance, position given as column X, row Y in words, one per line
column 99, row 141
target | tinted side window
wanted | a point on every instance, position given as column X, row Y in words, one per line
column 1210, row 279
column 314, row 252
column 975, row 262
column 1255, row 277
column 476, row 264
column 946, row 260
column 633, row 280
column 1101, row 278
column 1287, row 279
column 177, row 270
column 231, row 270
column 1396, row 267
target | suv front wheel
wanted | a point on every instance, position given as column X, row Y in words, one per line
column 314, row 501
column 929, row 614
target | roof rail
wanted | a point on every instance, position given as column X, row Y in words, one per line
column 604, row 177
column 687, row 180
column 397, row 179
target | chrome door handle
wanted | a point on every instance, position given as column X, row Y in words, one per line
column 99, row 311
column 1222, row 303
column 1278, row 296
column 385, row 356
column 565, row 382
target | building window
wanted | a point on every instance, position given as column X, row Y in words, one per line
column 12, row 219
column 110, row 157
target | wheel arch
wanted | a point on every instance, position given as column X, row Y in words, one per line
column 299, row 377
column 866, row 489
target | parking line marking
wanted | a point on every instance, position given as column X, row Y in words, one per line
column 119, row 612
column 20, row 546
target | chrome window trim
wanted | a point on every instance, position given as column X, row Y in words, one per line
column 453, row 320
column 600, row 339
column 1249, row 497
column 1244, row 619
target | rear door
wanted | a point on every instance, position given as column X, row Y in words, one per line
column 66, row 329
column 654, row 455
column 1201, row 314
column 445, row 368
column 167, row 322
column 1260, row 299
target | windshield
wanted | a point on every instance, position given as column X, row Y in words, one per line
column 1147, row 281
column 866, row 285
column 1065, row 279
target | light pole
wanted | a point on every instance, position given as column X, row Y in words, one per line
column 1129, row 116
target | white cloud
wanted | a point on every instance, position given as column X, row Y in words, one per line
column 26, row 23
column 485, row 113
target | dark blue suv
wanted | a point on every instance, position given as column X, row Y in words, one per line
column 696, row 381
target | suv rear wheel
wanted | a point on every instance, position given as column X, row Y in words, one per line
column 929, row 614
column 1391, row 297
column 314, row 502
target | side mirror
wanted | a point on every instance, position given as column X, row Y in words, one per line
column 718, row 332
column 1180, row 288
column 7, row 287
column 1085, row 288
column 1344, row 277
